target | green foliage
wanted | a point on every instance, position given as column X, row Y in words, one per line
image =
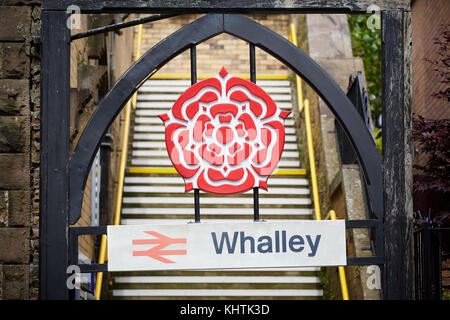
column 366, row 43
column 378, row 142
column 328, row 293
column 445, row 295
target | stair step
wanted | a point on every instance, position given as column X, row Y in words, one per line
column 273, row 181
column 162, row 145
column 134, row 221
column 216, row 279
column 166, row 105
column 167, row 162
column 158, row 121
column 187, row 83
column 180, row 89
column 174, row 97
column 217, row 211
column 180, row 189
column 217, row 200
column 217, row 293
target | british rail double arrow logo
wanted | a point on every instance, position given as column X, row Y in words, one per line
column 157, row 251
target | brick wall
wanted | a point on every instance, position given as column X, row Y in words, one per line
column 19, row 149
column 426, row 18
column 222, row 50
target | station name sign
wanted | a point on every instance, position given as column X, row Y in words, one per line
column 200, row 246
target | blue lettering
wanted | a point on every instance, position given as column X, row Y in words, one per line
column 312, row 245
column 230, row 246
column 293, row 243
column 249, row 238
column 267, row 243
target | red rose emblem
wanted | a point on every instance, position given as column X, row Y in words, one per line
column 225, row 135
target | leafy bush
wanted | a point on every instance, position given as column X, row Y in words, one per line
column 433, row 138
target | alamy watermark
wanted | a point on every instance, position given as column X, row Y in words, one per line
column 73, row 21
column 373, row 282
column 374, row 21
column 74, row 279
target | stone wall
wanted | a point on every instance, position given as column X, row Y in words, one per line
column 20, row 132
column 19, row 149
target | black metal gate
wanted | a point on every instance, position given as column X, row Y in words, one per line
column 431, row 247
column 63, row 175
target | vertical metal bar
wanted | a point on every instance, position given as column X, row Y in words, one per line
column 256, row 204
column 197, row 205
column 252, row 63
column 193, row 64
column 106, row 215
column 427, row 268
column 253, row 79
column 439, row 265
column 54, row 182
column 416, row 264
column 193, row 81
column 397, row 154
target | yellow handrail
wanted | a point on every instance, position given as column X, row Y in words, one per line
column 341, row 269
column 312, row 161
column 123, row 161
column 305, row 107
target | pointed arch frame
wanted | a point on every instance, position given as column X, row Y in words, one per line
column 193, row 34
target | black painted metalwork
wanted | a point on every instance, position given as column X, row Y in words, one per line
column 377, row 225
column 74, row 233
column 246, row 29
column 430, row 245
column 396, row 118
column 193, row 81
column 197, row 205
column 256, row 204
column 120, row 25
column 54, row 183
column 357, row 94
column 193, row 64
column 216, row 6
column 252, row 62
column 253, row 79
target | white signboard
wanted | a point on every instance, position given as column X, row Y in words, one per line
column 196, row 246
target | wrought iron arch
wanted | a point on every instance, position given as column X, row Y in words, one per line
column 193, row 34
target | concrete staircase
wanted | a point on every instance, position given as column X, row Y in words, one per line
column 152, row 195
